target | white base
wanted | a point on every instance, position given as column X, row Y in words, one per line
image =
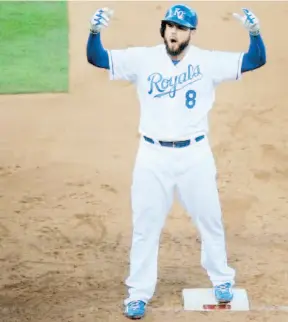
column 202, row 299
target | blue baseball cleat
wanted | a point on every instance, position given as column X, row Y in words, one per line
column 135, row 310
column 223, row 293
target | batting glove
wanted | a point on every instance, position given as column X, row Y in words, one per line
column 250, row 21
column 100, row 20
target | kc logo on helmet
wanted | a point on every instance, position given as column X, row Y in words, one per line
column 179, row 13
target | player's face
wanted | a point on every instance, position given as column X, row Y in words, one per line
column 176, row 38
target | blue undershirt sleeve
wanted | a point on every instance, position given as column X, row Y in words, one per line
column 256, row 55
column 253, row 59
column 96, row 54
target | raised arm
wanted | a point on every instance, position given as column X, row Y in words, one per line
column 255, row 57
column 96, row 54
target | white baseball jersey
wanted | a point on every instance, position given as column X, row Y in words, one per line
column 174, row 99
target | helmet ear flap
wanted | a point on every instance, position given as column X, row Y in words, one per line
column 162, row 29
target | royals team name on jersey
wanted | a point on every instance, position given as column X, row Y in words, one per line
column 159, row 85
column 174, row 100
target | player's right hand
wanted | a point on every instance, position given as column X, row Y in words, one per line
column 100, row 20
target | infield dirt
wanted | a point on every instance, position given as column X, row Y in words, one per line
column 66, row 165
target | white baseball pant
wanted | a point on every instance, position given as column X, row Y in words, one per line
column 158, row 173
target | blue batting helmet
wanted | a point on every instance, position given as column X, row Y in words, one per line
column 182, row 15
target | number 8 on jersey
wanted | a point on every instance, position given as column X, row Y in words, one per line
column 190, row 98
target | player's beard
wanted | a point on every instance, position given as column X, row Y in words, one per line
column 182, row 46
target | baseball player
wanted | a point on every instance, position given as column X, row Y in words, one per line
column 176, row 83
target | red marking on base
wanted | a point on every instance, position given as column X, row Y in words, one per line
column 217, row 307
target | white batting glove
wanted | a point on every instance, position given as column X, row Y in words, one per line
column 100, row 20
column 250, row 21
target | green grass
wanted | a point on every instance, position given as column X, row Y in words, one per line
column 33, row 47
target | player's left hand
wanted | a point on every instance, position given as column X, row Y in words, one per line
column 250, row 21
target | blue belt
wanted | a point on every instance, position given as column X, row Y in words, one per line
column 175, row 144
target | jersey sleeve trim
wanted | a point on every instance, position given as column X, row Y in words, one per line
column 111, row 64
column 239, row 74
